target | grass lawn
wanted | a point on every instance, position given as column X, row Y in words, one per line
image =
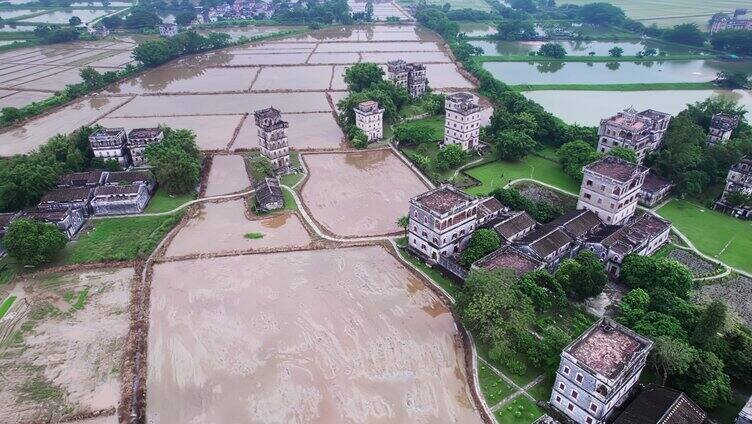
column 290, row 203
column 715, row 234
column 463, row 4
column 520, row 379
column 8, row 269
column 542, row 390
column 6, row 305
column 120, row 239
column 434, row 123
column 493, row 387
column 435, row 274
column 521, row 410
column 163, row 202
column 498, row 174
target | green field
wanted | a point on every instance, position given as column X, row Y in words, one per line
column 163, row 202
column 713, row 233
column 498, row 174
column 120, row 239
column 671, row 12
column 493, row 387
column 462, row 4
column 6, row 305
column 521, row 410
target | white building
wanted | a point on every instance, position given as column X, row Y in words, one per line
column 611, row 188
column 597, row 372
column 370, row 119
column 639, row 131
column 462, row 123
column 441, row 221
column 168, row 29
column 272, row 134
column 138, row 139
column 411, row 76
column 721, row 127
column 109, row 144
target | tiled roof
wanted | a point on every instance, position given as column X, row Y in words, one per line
column 267, row 190
column 443, row 199
column 509, row 258
column 625, row 239
column 47, row 216
column 653, row 183
column 490, row 205
column 608, row 347
column 62, row 195
column 80, row 178
column 116, row 190
column 615, row 168
column 6, row 218
column 128, row 177
column 577, row 223
column 661, row 405
column 546, row 240
column 514, row 225
column 144, row 132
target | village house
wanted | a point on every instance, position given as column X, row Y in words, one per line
column 268, row 195
column 62, row 199
column 508, row 257
column 131, row 178
column 138, row 139
column 549, row 243
column 739, row 22
column 597, row 372
column 736, row 199
column 489, row 209
column 120, row 199
column 69, row 220
column 642, row 236
column 272, row 134
column 370, row 119
column 514, row 226
column 462, row 122
column 654, row 189
column 661, row 405
column 611, row 188
column 721, row 127
column 81, row 179
column 109, row 144
column 99, row 31
column 745, row 415
column 642, row 132
column 441, row 221
column 411, row 76
column 168, row 29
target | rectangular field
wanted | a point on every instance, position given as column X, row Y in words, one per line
column 644, row 9
column 498, row 174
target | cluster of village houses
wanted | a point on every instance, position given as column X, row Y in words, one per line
column 740, row 21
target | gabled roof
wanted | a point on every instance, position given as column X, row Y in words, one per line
column 63, row 195
column 6, row 218
column 625, row 239
column 268, row 190
column 490, row 205
column 80, row 178
column 578, row 223
column 661, row 405
column 653, row 183
column 546, row 240
column 128, row 177
column 46, row 216
column 514, row 225
column 615, row 168
column 116, row 190
column 509, row 258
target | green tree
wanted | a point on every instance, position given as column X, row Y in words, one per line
column 403, row 222
column 141, row 18
column 91, row 77
column 9, row 115
column 514, row 145
column 514, row 30
column 711, row 386
column 633, row 306
column 655, row 324
column 601, row 14
column 176, row 161
column 710, row 325
column 482, row 242
column 363, row 76
column 582, row 276
column 732, row 80
column 185, row 17
column 650, row 273
column 616, row 51
column 414, row 133
column 671, row 357
column 261, row 168
column 573, row 156
column 152, row 53
column 452, row 155
column 218, row 39
column 74, row 21
column 552, row 50
column 32, row 242
column 738, row 42
column 622, row 152
column 688, row 33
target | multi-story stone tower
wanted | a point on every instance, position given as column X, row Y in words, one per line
column 411, row 76
column 739, row 186
column 611, row 188
column 597, row 372
column 272, row 134
column 642, row 132
column 441, row 221
column 462, row 123
column 109, row 144
column 370, row 118
column 138, row 139
column 721, row 127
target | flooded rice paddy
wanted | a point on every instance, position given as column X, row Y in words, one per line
column 222, row 227
column 307, row 131
column 358, row 194
column 73, row 352
column 63, row 16
column 345, row 335
column 574, row 48
column 589, row 107
column 227, row 175
column 189, row 80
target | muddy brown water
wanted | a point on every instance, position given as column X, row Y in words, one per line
column 344, row 335
column 307, row 131
column 357, row 194
column 189, row 80
column 345, row 58
column 227, row 175
column 221, row 227
column 294, row 78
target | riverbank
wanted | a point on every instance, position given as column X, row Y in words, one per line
column 528, row 58
column 659, row 86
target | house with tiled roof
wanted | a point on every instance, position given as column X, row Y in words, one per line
column 62, row 199
column 611, row 188
column 135, row 178
column 511, row 258
column 489, row 209
column 654, row 190
column 268, row 195
column 81, row 179
column 745, row 415
column 736, row 199
column 120, row 199
column 515, row 225
column 549, row 243
column 69, row 220
column 661, row 405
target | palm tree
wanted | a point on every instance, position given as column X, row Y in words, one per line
column 404, row 222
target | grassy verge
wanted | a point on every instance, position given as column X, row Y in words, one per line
column 448, row 285
column 618, row 87
column 290, row 203
column 526, row 58
column 163, row 202
column 6, row 305
column 713, row 233
column 493, row 387
column 520, row 378
column 120, row 239
column 498, row 174
column 521, row 410
column 8, row 269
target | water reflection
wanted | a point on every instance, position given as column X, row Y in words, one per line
column 576, row 48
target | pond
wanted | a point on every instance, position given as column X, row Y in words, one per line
column 613, row 72
column 477, row 29
column 588, row 107
column 16, row 28
column 62, row 16
column 573, row 48
column 8, row 14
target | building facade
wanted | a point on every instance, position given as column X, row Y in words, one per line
column 721, row 127
column 654, row 189
column 272, row 135
column 745, row 415
column 120, row 199
column 138, row 139
column 369, row 117
column 597, row 372
column 441, row 221
column 69, row 221
column 736, row 199
column 110, row 144
column 739, row 22
column 168, row 29
column 611, row 188
column 411, row 76
column 62, row 199
column 642, row 132
column 462, row 122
